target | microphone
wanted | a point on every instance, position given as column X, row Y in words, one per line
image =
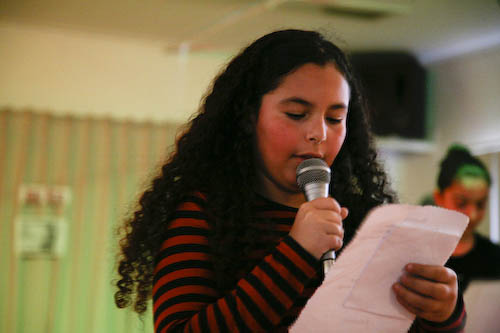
column 313, row 178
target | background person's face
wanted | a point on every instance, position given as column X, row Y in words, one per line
column 467, row 196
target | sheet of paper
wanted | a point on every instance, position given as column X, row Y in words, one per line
column 356, row 294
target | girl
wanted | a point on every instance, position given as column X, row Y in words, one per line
column 463, row 185
column 224, row 239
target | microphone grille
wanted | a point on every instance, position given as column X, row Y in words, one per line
column 313, row 170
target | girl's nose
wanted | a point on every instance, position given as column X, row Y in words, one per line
column 317, row 131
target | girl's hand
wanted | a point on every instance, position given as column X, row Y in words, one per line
column 318, row 226
column 428, row 291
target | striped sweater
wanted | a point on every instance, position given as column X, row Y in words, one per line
column 266, row 299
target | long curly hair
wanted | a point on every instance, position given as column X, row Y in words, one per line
column 215, row 156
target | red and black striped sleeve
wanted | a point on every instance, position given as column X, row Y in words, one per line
column 185, row 297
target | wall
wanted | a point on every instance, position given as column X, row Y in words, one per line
column 467, row 92
column 463, row 104
column 83, row 74
column 467, row 96
column 90, row 96
column 65, row 71
column 104, row 164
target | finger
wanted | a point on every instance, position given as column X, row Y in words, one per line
column 326, row 203
column 330, row 216
column 333, row 229
column 335, row 233
column 323, row 215
column 415, row 300
column 432, row 289
column 330, row 242
column 334, row 243
column 410, row 308
column 432, row 272
column 344, row 212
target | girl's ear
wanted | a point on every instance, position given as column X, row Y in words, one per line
column 438, row 197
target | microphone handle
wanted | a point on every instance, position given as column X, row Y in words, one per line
column 328, row 259
column 314, row 191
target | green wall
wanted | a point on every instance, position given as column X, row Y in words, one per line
column 105, row 164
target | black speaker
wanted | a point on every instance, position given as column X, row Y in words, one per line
column 394, row 84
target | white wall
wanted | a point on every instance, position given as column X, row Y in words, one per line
column 465, row 104
column 467, row 99
column 67, row 71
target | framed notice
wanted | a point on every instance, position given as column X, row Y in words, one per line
column 39, row 236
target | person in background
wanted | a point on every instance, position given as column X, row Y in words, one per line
column 224, row 239
column 463, row 185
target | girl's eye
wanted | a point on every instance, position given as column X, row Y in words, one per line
column 295, row 116
column 333, row 120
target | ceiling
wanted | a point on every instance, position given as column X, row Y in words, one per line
column 431, row 29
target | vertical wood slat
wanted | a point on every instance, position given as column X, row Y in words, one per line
column 5, row 122
column 89, row 236
column 4, row 119
column 18, row 137
column 131, row 190
column 140, row 163
column 102, row 219
column 58, row 175
column 64, row 305
column 29, row 177
column 33, row 293
column 123, row 191
column 494, row 205
column 109, row 313
column 79, row 185
column 106, row 164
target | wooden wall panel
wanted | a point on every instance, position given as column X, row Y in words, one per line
column 106, row 164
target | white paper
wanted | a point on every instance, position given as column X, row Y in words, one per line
column 356, row 294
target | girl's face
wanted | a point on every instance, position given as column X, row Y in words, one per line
column 304, row 117
column 467, row 196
